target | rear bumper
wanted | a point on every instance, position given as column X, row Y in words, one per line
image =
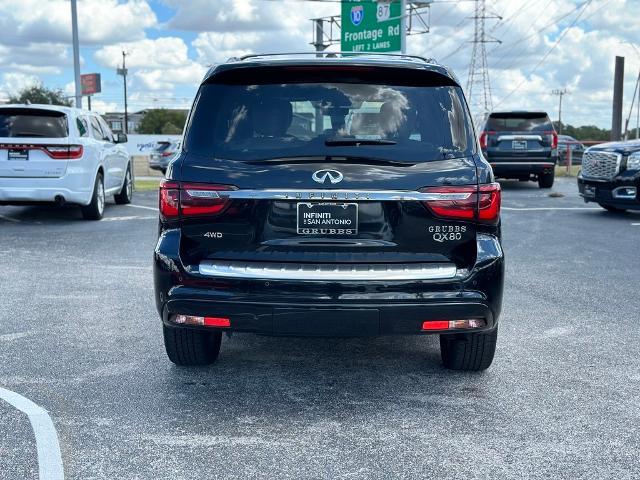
column 314, row 308
column 519, row 168
column 73, row 188
column 608, row 192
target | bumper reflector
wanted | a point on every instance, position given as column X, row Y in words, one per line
column 453, row 324
column 202, row 321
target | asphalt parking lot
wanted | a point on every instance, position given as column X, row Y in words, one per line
column 80, row 337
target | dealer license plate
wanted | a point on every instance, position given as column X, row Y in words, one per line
column 18, row 154
column 327, row 219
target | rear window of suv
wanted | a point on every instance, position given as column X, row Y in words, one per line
column 25, row 122
column 519, row 122
column 298, row 117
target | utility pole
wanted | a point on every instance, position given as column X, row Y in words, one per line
column 618, row 84
column 560, row 93
column 76, row 53
column 478, row 83
column 123, row 71
column 636, row 93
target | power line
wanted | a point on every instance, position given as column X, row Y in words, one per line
column 546, row 55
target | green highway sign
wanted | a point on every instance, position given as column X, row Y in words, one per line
column 372, row 26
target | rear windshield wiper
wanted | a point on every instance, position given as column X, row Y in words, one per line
column 342, row 142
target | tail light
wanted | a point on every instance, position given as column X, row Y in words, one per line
column 484, row 139
column 553, row 138
column 167, row 154
column 64, row 152
column 473, row 203
column 169, row 199
column 57, row 152
column 191, row 199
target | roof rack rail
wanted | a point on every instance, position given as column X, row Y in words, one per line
column 334, row 55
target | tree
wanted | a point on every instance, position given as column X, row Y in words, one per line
column 585, row 132
column 162, row 121
column 41, row 94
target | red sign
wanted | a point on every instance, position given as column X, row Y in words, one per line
column 90, row 83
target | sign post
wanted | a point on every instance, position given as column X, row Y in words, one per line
column 90, row 84
column 373, row 26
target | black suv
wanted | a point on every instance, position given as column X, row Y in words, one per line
column 521, row 145
column 330, row 197
column 610, row 175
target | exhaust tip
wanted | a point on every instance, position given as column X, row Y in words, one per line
column 59, row 199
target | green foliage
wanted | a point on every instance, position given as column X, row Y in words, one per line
column 170, row 129
column 42, row 95
column 162, row 121
column 585, row 132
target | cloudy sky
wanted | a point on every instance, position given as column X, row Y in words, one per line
column 546, row 45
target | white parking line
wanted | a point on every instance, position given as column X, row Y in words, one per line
column 9, row 219
column 154, row 209
column 117, row 219
column 635, row 224
column 542, row 209
column 49, row 457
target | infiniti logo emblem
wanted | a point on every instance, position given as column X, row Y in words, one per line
column 321, row 176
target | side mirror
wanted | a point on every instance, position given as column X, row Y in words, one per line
column 121, row 138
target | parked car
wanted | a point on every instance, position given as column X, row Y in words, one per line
column 53, row 154
column 521, row 145
column 163, row 154
column 566, row 143
column 334, row 233
column 610, row 175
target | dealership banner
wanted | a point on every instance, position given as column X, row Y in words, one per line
column 145, row 144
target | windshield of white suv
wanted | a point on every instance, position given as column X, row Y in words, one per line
column 396, row 122
column 25, row 122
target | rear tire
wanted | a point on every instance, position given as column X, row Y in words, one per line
column 612, row 209
column 468, row 351
column 546, row 179
column 126, row 194
column 95, row 210
column 190, row 348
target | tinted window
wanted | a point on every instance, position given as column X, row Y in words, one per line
column 162, row 146
column 96, row 130
column 519, row 122
column 83, row 127
column 24, row 122
column 398, row 122
column 106, row 131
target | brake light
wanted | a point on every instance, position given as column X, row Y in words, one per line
column 484, row 139
column 202, row 199
column 64, row 152
column 481, row 204
column 554, row 138
column 453, row 202
column 167, row 154
column 489, row 203
column 191, row 199
column 169, row 198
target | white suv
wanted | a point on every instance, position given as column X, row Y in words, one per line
column 59, row 154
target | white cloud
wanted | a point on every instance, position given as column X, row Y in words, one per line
column 14, row 82
column 147, row 53
column 99, row 21
column 162, row 79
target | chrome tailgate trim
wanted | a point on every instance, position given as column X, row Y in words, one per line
column 327, row 271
